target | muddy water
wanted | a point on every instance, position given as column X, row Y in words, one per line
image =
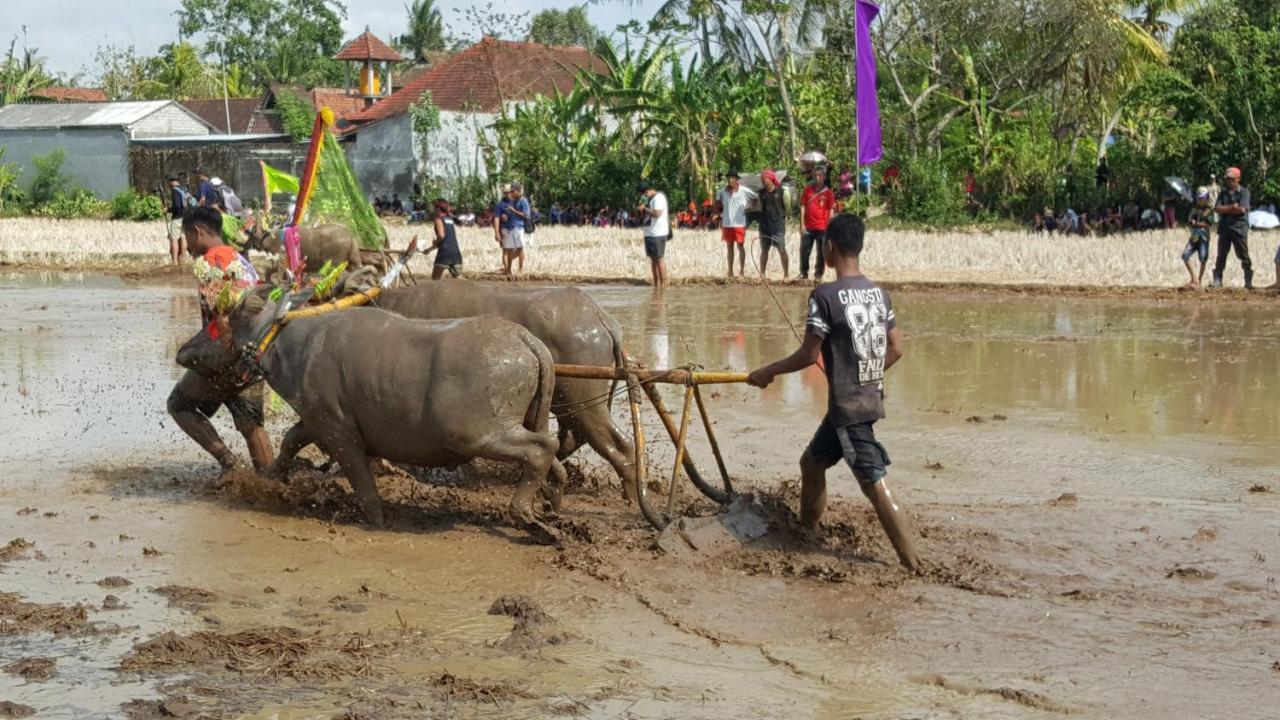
column 1153, row 414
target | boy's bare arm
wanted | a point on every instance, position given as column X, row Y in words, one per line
column 804, row 356
column 894, row 353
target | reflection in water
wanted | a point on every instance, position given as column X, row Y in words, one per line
column 1152, row 367
column 90, row 359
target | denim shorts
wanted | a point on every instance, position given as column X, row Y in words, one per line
column 1196, row 246
column 856, row 444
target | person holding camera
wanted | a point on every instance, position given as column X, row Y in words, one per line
column 656, row 221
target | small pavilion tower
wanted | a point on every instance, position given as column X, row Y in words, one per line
column 371, row 59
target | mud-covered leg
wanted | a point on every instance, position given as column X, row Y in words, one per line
column 892, row 517
column 294, row 441
column 355, row 464
column 186, row 405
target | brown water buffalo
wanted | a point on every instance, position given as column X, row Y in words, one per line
column 367, row 383
column 574, row 329
column 326, row 243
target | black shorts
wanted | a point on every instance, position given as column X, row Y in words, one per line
column 655, row 247
column 454, row 269
column 198, row 393
column 856, row 444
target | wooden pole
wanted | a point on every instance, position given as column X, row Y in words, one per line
column 690, row 468
column 641, row 473
column 684, row 433
column 674, row 377
column 711, row 437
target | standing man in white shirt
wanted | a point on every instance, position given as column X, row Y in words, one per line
column 656, row 222
column 731, row 203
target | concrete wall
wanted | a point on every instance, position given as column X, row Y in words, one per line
column 235, row 163
column 386, row 157
column 454, row 150
column 382, row 157
column 169, row 121
column 97, row 158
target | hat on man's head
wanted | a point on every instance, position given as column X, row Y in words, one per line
column 1232, row 172
column 643, row 186
column 769, row 175
column 516, row 186
column 506, row 188
column 171, row 178
column 1202, row 193
column 215, row 181
column 732, row 174
column 201, row 171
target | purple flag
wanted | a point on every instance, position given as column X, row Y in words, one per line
column 868, row 105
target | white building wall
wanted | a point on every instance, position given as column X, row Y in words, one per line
column 454, row 151
column 169, row 121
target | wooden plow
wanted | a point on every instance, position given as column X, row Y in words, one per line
column 644, row 381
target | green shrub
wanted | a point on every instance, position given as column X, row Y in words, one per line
column 130, row 205
column 78, row 203
column 49, row 183
column 928, row 194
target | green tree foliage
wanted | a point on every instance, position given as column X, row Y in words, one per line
column 296, row 115
column 426, row 30
column 273, row 41
column 22, row 73
column 9, row 173
column 563, row 27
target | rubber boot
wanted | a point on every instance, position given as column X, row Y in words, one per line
column 1248, row 279
column 895, row 523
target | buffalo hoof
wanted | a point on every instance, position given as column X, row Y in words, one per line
column 539, row 530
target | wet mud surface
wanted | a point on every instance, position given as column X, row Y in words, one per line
column 1102, row 544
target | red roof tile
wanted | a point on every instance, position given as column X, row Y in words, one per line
column 367, row 47
column 488, row 74
column 71, row 94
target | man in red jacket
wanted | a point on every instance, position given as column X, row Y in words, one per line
column 816, row 203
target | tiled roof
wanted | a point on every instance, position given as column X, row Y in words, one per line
column 248, row 117
column 367, row 47
column 488, row 74
column 72, row 94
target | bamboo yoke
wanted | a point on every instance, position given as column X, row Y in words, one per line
column 637, row 379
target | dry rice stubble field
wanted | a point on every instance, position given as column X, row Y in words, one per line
column 584, row 254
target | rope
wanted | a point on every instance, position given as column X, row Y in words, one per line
column 755, row 258
column 601, row 399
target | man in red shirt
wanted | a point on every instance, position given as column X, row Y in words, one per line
column 816, row 203
column 197, row 397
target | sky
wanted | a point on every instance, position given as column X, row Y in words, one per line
column 67, row 32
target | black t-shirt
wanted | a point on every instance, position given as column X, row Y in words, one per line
column 853, row 316
column 449, row 252
column 1234, row 224
column 772, row 213
column 177, row 202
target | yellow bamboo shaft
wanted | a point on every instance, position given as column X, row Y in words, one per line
column 674, row 377
column 641, row 472
column 349, row 301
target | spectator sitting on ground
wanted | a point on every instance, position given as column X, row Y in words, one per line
column 1151, row 219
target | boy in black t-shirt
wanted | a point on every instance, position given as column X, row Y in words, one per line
column 851, row 325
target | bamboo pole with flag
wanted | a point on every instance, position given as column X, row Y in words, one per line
column 867, row 104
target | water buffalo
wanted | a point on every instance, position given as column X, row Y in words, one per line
column 573, row 328
column 368, row 383
column 326, row 243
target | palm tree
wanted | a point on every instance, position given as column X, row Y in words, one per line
column 426, row 30
column 22, row 76
column 1153, row 15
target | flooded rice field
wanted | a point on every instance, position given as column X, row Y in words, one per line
column 1093, row 480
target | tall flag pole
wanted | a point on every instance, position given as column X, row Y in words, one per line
column 867, row 105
